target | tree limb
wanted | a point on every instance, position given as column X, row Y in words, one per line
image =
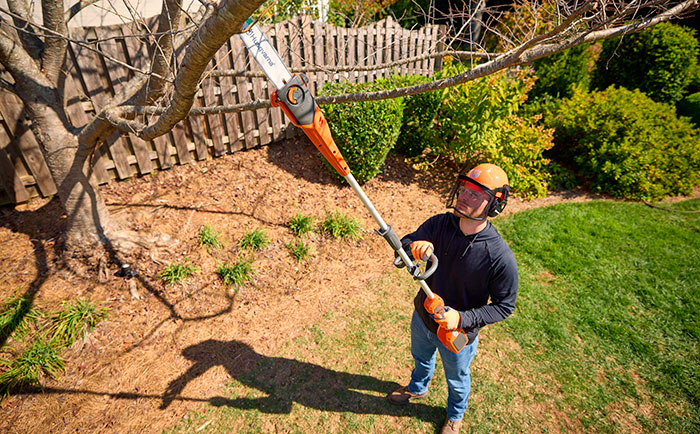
column 330, row 69
column 54, row 48
column 512, row 58
column 48, row 33
column 226, row 20
column 76, row 8
column 20, row 17
column 29, row 81
column 168, row 21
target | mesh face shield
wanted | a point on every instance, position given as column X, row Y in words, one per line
column 471, row 199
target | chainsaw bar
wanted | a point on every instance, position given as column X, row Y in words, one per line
column 264, row 53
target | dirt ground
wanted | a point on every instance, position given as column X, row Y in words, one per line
column 117, row 379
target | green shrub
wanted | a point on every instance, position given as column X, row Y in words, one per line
column 339, row 225
column 561, row 178
column 690, row 107
column 418, row 129
column 366, row 131
column 301, row 224
column 511, row 142
column 557, row 74
column 176, row 272
column 41, row 358
column 254, row 240
column 627, row 145
column 479, row 121
column 660, row 62
column 299, row 250
column 236, row 273
column 75, row 320
column 209, row 238
column 16, row 317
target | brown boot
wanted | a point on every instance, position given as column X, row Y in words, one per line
column 402, row 396
column 451, row 427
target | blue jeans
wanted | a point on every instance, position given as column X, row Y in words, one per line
column 457, row 373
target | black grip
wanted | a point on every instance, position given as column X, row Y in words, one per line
column 429, row 272
column 390, row 237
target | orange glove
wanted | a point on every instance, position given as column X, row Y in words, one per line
column 451, row 319
column 422, row 250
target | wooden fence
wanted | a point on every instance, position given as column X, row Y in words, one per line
column 93, row 78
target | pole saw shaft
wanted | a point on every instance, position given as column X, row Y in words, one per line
column 295, row 99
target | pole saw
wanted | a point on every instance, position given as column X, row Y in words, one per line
column 292, row 95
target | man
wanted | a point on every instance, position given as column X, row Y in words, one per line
column 475, row 264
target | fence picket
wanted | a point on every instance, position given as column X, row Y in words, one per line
column 319, row 53
column 98, row 91
column 98, row 173
column 118, row 76
column 227, row 86
column 9, row 175
column 11, row 110
column 362, row 53
column 215, row 121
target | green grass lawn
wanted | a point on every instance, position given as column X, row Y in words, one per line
column 604, row 339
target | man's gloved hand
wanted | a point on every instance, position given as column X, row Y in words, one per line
column 451, row 319
column 422, row 250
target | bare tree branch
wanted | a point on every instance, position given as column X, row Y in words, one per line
column 54, row 48
column 21, row 66
column 227, row 19
column 20, row 16
column 168, row 21
column 76, row 8
column 48, row 33
column 523, row 54
column 330, row 69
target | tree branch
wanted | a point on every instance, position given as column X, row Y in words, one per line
column 330, row 69
column 28, row 78
column 54, row 48
column 76, row 8
column 510, row 59
column 20, row 17
column 168, row 21
column 226, row 20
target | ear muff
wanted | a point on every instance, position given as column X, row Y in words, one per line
column 499, row 202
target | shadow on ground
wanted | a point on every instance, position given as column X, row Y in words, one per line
column 285, row 381
column 299, row 157
column 44, row 227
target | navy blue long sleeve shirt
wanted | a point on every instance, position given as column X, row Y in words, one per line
column 472, row 269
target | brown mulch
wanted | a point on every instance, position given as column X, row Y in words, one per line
column 117, row 379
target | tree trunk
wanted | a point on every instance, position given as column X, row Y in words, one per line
column 88, row 220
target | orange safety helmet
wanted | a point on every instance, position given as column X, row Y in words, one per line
column 486, row 182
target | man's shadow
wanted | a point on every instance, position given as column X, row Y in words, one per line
column 285, row 381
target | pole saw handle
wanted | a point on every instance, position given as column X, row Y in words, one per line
column 454, row 340
column 398, row 263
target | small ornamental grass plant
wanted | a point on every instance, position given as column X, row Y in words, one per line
column 209, row 238
column 73, row 322
column 339, row 225
column 254, row 240
column 26, row 370
column 299, row 250
column 177, row 272
column 236, row 273
column 51, row 333
column 16, row 316
column 301, row 224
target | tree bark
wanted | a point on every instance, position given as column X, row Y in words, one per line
column 88, row 220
